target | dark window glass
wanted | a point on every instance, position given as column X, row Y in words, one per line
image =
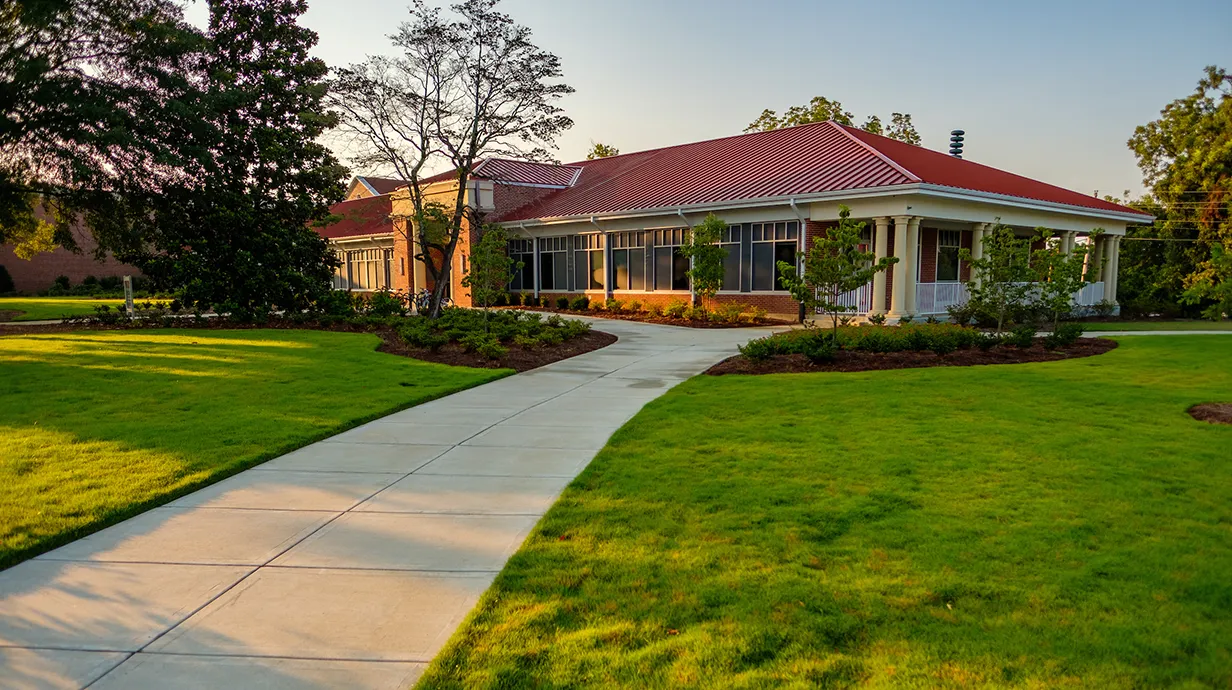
column 731, row 267
column 620, row 269
column 580, row 265
column 637, row 269
column 546, row 275
column 680, row 270
column 596, row 270
column 763, row 266
column 947, row 264
column 663, row 268
column 560, row 272
column 783, row 251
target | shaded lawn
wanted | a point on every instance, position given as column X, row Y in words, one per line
column 1157, row 325
column 46, row 308
column 1035, row 525
column 98, row 426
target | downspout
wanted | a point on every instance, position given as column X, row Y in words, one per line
column 687, row 224
column 802, row 244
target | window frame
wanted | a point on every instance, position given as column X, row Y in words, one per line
column 957, row 249
column 790, row 236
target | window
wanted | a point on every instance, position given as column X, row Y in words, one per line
column 671, row 268
column 553, row 263
column 772, row 243
column 628, row 260
column 340, row 271
column 588, row 261
column 947, row 255
column 364, row 269
column 731, row 263
column 522, row 250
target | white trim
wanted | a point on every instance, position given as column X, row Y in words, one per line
column 364, row 182
column 928, row 189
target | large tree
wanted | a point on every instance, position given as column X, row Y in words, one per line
column 821, row 109
column 236, row 235
column 463, row 89
column 1186, row 162
column 91, row 92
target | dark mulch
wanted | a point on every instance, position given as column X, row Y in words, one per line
column 518, row 358
column 665, row 320
column 849, row 360
column 9, row 315
column 1215, row 413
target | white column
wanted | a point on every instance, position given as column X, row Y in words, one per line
column 1114, row 268
column 977, row 245
column 898, row 292
column 881, row 244
column 1106, row 272
column 913, row 263
column 535, row 245
column 1067, row 242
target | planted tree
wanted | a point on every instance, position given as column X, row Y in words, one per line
column 1059, row 275
column 706, row 255
column 1002, row 279
column 834, row 265
column 491, row 270
column 1214, row 284
column 461, row 90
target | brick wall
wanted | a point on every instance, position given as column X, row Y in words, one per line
column 928, row 255
column 964, row 268
column 508, row 197
column 40, row 272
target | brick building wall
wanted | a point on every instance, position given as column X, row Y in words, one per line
column 928, row 255
column 39, row 273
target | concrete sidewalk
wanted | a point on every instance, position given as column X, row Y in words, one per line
column 347, row 563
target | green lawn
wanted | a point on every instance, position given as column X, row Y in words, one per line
column 1158, row 326
column 1040, row 525
column 41, row 308
column 98, row 426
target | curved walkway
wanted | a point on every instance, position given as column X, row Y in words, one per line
column 347, row 563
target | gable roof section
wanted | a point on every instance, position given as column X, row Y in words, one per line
column 934, row 167
column 381, row 185
column 359, row 218
column 526, row 172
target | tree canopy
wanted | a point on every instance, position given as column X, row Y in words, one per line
column 821, row 109
column 601, row 150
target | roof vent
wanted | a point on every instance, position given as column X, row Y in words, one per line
column 956, row 143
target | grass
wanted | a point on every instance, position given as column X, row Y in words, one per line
column 44, row 308
column 95, row 427
column 1158, row 325
column 1037, row 525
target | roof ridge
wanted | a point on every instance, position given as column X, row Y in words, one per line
column 875, row 151
column 694, row 143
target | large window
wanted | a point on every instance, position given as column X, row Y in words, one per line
column 731, row 263
column 628, row 260
column 772, row 243
column 521, row 249
column 947, row 255
column 671, row 268
column 588, row 261
column 554, row 263
column 365, row 270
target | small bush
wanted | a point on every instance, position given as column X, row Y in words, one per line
column 917, row 340
column 943, row 343
column 877, row 319
column 598, row 305
column 526, row 341
column 931, row 319
column 62, row 282
column 111, row 283
column 385, row 303
column 1103, row 308
column 761, row 349
column 562, row 302
column 676, row 309
column 1021, row 336
column 500, row 300
column 483, row 344
column 906, row 319
column 581, row 303
column 986, row 341
column 418, row 332
column 634, row 306
column 820, row 349
column 697, row 313
column 614, row 305
column 1066, row 334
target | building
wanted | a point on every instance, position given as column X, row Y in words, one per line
column 608, row 227
column 39, row 272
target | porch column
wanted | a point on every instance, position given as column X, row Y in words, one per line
column 535, row 245
column 913, row 263
column 898, row 292
column 977, row 244
column 881, row 244
column 1091, row 270
column 1067, row 242
column 1114, row 269
column 1106, row 271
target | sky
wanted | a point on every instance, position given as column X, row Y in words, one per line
column 1050, row 90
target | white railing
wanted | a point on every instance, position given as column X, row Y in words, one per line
column 1089, row 295
column 861, row 298
column 935, row 298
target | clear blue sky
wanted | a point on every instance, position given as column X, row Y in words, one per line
column 1047, row 89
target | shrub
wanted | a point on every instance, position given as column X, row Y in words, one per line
column 500, row 299
column 418, row 332
column 728, row 312
column 917, row 340
column 336, row 303
column 675, row 309
column 484, row 344
column 385, row 303
column 62, row 282
column 761, row 349
column 1066, row 334
column 598, row 305
column 931, row 319
column 820, row 349
column 562, row 302
column 634, row 306
column 581, row 303
column 943, row 343
column 1103, row 308
column 613, row 305
column 526, row 341
column 6, row 281
column 877, row 319
column 906, row 319
column 109, row 283
column 986, row 341
column 697, row 313
column 1021, row 336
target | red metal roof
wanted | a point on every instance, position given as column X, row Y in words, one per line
column 796, row 161
column 526, row 172
column 383, row 185
column 359, row 217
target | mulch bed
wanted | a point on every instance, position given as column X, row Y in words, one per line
column 9, row 315
column 518, row 358
column 850, row 360
column 1215, row 413
column 665, row 320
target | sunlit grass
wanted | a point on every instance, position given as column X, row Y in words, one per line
column 45, row 308
column 1064, row 524
column 97, row 426
column 1158, row 326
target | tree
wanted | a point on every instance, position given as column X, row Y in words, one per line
column 834, row 266
column 821, row 109
column 491, row 270
column 601, row 150
column 1059, row 274
column 461, row 91
column 1186, row 161
column 91, row 91
column 1214, row 284
column 706, row 255
column 237, row 235
column 1002, row 279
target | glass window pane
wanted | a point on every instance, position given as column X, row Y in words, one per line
column 620, row 269
column 561, row 271
column 546, row 260
column 581, row 281
column 783, row 251
column 637, row 269
column 663, row 268
column 731, row 267
column 680, row 271
column 947, row 264
column 596, row 270
column 763, row 266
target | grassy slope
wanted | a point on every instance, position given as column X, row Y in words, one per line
column 97, row 426
column 42, row 308
column 1158, row 325
column 1012, row 526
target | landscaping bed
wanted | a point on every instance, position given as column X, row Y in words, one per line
column 675, row 313
column 855, row 360
column 1215, row 413
column 660, row 318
